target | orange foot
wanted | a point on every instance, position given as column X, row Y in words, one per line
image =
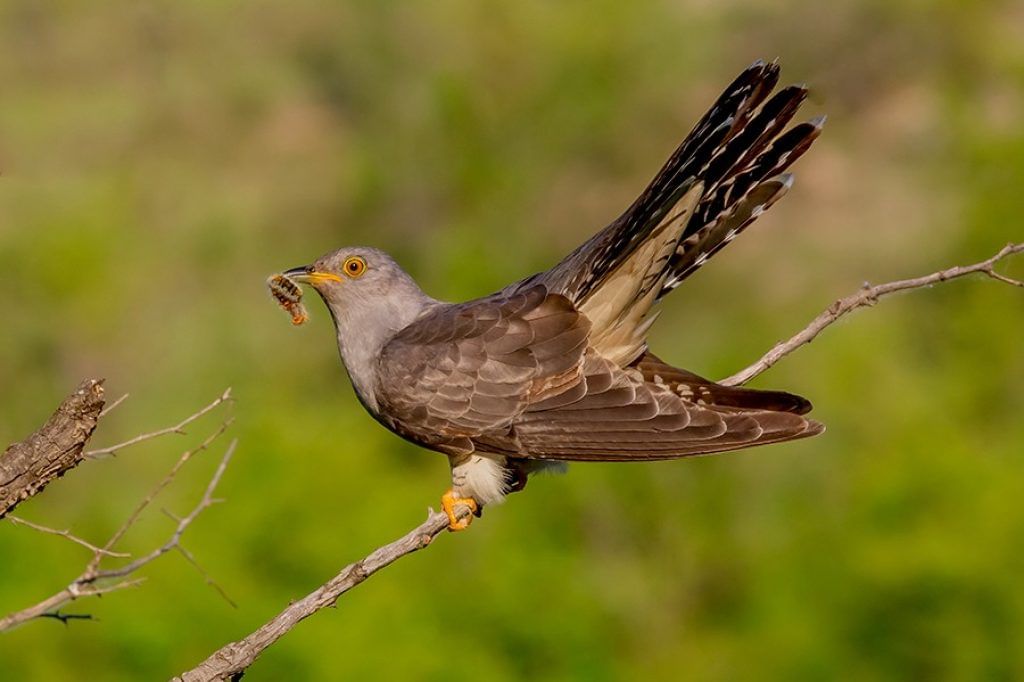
column 449, row 502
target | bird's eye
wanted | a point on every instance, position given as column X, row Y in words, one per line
column 354, row 266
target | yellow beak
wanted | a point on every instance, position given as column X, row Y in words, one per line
column 307, row 275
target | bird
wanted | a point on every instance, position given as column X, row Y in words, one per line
column 555, row 368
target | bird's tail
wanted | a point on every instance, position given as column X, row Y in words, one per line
column 745, row 174
column 728, row 170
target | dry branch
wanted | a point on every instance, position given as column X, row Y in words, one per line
column 231, row 661
column 18, row 521
column 95, row 580
column 178, row 428
column 27, row 467
column 868, row 296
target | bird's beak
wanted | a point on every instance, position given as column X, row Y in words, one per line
column 305, row 274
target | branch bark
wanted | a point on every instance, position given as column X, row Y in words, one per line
column 27, row 467
column 231, row 661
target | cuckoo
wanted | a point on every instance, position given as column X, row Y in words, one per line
column 555, row 368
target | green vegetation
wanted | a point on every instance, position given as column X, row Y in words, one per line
column 160, row 159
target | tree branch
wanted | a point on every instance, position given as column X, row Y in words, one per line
column 178, row 428
column 27, row 467
column 868, row 296
column 18, row 521
column 231, row 661
column 95, row 580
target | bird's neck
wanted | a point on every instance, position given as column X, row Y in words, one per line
column 363, row 331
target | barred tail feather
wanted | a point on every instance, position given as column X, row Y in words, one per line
column 583, row 272
column 744, row 192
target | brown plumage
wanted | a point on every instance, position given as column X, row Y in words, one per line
column 556, row 367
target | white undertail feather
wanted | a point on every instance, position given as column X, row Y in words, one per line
column 482, row 477
column 618, row 307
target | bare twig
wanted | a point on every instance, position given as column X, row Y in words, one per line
column 206, row 575
column 72, row 424
column 232, row 660
column 164, row 482
column 113, row 406
column 868, row 296
column 27, row 467
column 178, row 428
column 66, row 534
column 66, row 617
column 95, row 581
column 175, row 538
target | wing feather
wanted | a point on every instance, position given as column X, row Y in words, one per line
column 650, row 411
column 472, row 368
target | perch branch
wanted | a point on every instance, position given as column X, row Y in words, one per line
column 868, row 296
column 232, row 660
column 27, row 467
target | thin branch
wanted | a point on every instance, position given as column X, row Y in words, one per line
column 178, row 428
column 232, row 660
column 189, row 557
column 868, row 296
column 164, row 482
column 113, row 406
column 96, row 581
column 175, row 539
column 68, row 594
column 65, row 617
column 18, row 521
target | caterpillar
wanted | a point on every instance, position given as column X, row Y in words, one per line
column 288, row 295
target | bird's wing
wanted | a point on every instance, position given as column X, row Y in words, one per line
column 646, row 412
column 467, row 369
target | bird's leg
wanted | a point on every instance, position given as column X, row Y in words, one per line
column 476, row 481
column 449, row 501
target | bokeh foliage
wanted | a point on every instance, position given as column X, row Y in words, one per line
column 161, row 158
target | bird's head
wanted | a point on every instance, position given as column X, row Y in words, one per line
column 364, row 288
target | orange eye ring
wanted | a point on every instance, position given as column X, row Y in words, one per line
column 354, row 266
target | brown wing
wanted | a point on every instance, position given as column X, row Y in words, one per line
column 645, row 413
column 471, row 369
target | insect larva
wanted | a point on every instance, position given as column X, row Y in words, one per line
column 288, row 295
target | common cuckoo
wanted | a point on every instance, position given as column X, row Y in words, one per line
column 555, row 368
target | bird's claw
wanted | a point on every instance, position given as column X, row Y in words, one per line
column 449, row 501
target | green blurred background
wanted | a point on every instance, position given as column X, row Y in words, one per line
column 160, row 159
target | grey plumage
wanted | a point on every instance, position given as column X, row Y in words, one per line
column 556, row 367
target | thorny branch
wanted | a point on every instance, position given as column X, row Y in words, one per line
column 231, row 661
column 95, row 580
